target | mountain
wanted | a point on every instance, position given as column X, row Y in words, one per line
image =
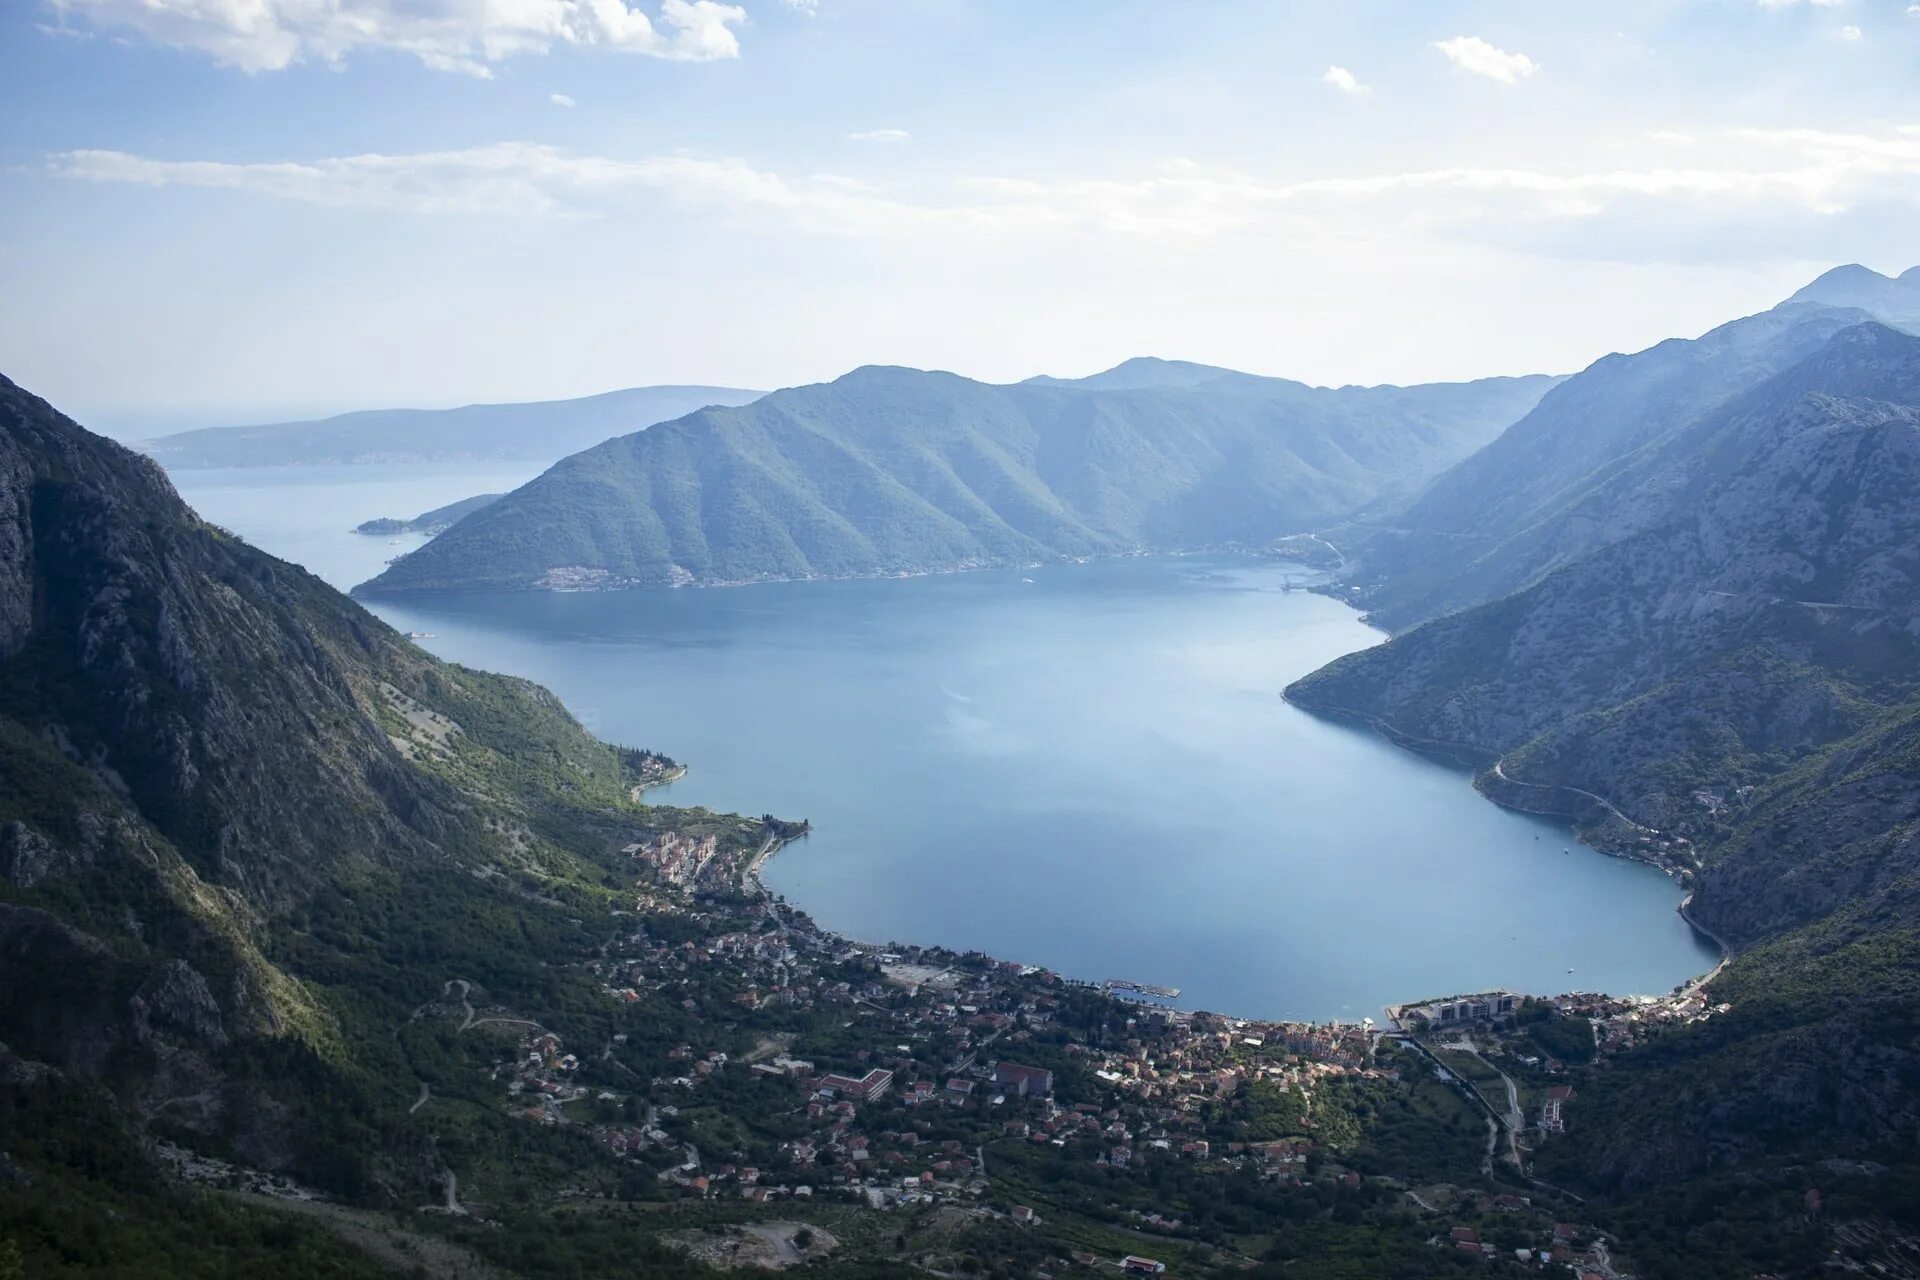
column 1720, row 673
column 1896, row 299
column 435, row 521
column 1542, row 493
column 1144, row 371
column 891, row 470
column 536, row 432
column 245, row 827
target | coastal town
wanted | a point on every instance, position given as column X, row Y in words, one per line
column 994, row 1109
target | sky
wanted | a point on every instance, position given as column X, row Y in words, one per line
column 218, row 211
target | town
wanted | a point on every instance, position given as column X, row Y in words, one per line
column 994, row 1110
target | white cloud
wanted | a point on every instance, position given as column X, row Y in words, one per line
column 879, row 135
column 1788, row 4
column 808, row 7
column 1344, row 80
column 448, row 35
column 1849, row 32
column 1748, row 177
column 1471, row 53
column 561, row 100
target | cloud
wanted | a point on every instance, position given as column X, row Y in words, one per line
column 1849, row 32
column 808, row 7
column 561, row 100
column 460, row 36
column 1471, row 53
column 1344, row 80
column 1788, row 4
column 1747, row 185
column 879, row 135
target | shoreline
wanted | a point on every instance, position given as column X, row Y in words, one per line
column 750, row 883
column 612, row 584
column 1452, row 752
column 749, row 879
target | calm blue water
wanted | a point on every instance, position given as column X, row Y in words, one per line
column 1082, row 766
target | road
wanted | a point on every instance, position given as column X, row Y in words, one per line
column 1329, row 546
column 420, row 1101
column 1516, row 1120
column 466, row 1007
column 1500, row 772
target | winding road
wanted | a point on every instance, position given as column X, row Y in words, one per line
column 1499, row 771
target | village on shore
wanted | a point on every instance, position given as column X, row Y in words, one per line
column 937, row 1056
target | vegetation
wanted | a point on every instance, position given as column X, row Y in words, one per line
column 895, row 470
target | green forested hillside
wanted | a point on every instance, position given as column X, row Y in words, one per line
column 896, row 470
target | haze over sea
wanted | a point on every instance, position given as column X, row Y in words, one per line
column 1085, row 766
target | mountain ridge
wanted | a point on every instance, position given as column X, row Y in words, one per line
column 529, row 431
column 891, row 470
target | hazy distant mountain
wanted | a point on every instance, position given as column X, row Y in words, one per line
column 1895, row 299
column 1147, row 371
column 1533, row 498
column 539, row 431
column 891, row 470
column 435, row 521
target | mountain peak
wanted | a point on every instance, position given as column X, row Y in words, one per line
column 1852, row 285
column 1140, row 372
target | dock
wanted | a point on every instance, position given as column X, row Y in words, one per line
column 1144, row 988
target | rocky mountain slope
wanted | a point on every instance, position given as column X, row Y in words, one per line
column 1547, row 490
column 896, row 470
column 220, row 781
column 538, row 432
column 1727, row 682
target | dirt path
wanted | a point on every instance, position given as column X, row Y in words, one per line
column 421, row 1101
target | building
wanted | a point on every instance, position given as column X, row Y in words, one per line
column 1022, row 1082
column 1135, row 1265
column 867, row 1088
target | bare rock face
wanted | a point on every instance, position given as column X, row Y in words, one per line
column 211, row 685
column 178, row 1000
column 16, row 546
column 27, row 858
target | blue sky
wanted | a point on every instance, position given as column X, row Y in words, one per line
column 216, row 210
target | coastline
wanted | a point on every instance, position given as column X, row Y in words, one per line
column 1468, row 755
column 611, row 583
column 666, row 779
column 749, row 872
